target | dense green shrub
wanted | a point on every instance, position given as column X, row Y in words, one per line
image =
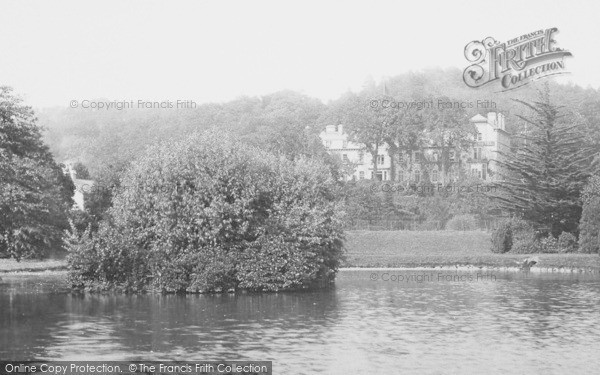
column 462, row 222
column 502, row 239
column 548, row 245
column 524, row 238
column 515, row 235
column 589, row 226
column 209, row 214
column 519, row 237
column 567, row 242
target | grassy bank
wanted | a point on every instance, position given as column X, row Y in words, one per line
column 445, row 248
column 402, row 249
column 10, row 265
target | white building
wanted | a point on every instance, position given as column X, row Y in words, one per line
column 424, row 164
column 81, row 186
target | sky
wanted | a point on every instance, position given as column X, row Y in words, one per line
column 215, row 51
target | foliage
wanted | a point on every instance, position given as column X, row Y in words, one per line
column 567, row 242
column 502, row 239
column 515, row 235
column 545, row 176
column 80, row 220
column 549, row 245
column 462, row 222
column 450, row 130
column 365, row 124
column 35, row 195
column 81, row 171
column 524, row 237
column 209, row 214
column 365, row 200
column 589, row 236
column 518, row 236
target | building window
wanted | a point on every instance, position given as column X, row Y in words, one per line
column 434, row 175
column 345, row 158
column 452, row 155
column 484, row 171
column 328, row 144
column 345, row 144
column 361, row 157
column 380, row 159
column 361, row 175
column 401, row 176
column 477, row 153
column 479, row 136
column 417, row 157
column 417, row 176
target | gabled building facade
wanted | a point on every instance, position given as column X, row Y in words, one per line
column 424, row 164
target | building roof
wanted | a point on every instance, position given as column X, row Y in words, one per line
column 478, row 118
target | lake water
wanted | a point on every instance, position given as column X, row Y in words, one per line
column 405, row 321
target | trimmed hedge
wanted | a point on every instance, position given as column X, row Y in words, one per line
column 209, row 214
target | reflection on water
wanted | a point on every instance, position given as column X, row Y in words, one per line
column 517, row 323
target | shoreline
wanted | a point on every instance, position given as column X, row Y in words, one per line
column 563, row 263
column 578, row 263
column 473, row 268
column 443, row 250
column 10, row 266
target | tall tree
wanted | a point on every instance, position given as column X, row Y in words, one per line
column 404, row 134
column 35, row 194
column 544, row 178
column 449, row 130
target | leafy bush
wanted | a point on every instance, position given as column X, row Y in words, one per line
column 589, row 226
column 524, row 238
column 515, row 235
column 567, row 242
column 462, row 222
column 209, row 214
column 502, row 239
column 548, row 245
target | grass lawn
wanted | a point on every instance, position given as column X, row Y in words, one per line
column 445, row 248
column 402, row 249
column 10, row 265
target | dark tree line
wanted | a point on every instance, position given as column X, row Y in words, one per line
column 35, row 194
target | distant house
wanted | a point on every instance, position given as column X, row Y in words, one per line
column 81, row 186
column 422, row 165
